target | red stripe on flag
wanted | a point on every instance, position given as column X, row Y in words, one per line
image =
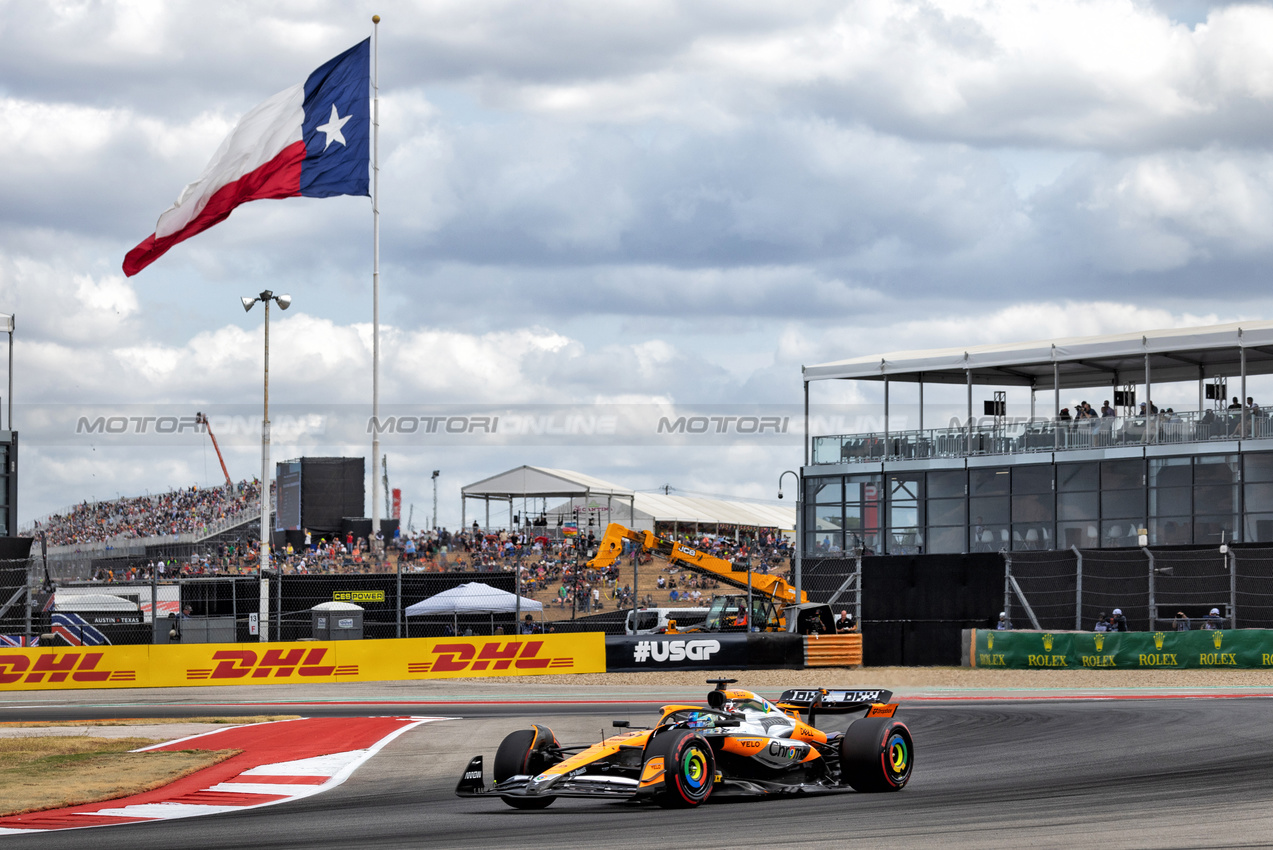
column 278, row 178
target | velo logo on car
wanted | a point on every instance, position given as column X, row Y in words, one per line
column 489, row 655
column 53, row 668
column 271, row 664
column 674, row 650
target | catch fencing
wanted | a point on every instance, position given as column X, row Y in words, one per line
column 1152, row 587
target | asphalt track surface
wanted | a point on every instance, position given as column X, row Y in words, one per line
column 990, row 772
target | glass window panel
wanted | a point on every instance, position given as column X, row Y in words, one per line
column 1077, row 506
column 1214, row 500
column 1122, row 503
column 1071, row 477
column 905, row 516
column 1259, row 467
column 1259, row 528
column 905, row 542
column 946, row 512
column 1170, row 531
column 1170, row 501
column 1170, row 472
column 995, row 510
column 988, row 538
column 988, row 482
column 1215, row 469
column 1031, row 536
column 946, row 483
column 862, row 488
column 1259, row 496
column 1085, row 535
column 824, row 519
column 1117, row 533
column 904, row 486
column 824, row 543
column 1032, row 479
column 1212, row 530
column 823, row 491
column 945, row 540
column 1032, row 507
column 853, row 516
column 1122, row 474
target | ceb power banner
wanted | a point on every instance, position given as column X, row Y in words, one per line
column 1244, row 648
column 56, row 668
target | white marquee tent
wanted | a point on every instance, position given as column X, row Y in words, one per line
column 604, row 502
column 473, row 598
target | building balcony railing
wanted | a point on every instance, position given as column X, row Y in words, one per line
column 1042, row 435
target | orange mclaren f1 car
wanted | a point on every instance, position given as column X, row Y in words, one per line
column 741, row 744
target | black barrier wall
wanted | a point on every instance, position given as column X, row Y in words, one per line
column 705, row 651
column 915, row 606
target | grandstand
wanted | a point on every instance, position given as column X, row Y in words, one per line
column 175, row 518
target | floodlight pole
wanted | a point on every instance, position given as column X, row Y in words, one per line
column 263, row 610
column 375, row 278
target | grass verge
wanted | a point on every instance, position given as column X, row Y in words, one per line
column 41, row 773
column 150, row 721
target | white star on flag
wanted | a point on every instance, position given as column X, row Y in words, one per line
column 332, row 128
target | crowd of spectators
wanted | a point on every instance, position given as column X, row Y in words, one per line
column 547, row 567
column 178, row 512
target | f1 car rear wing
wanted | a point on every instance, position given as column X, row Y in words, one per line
column 810, row 700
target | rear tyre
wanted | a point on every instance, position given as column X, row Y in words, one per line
column 877, row 754
column 524, row 753
column 689, row 769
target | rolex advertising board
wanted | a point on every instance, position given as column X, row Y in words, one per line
column 1244, row 648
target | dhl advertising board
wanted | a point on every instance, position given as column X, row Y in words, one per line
column 164, row 666
column 1245, row 648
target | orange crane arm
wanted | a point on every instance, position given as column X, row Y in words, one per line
column 611, row 548
column 207, row 426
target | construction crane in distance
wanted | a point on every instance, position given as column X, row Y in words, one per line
column 202, row 420
column 384, row 477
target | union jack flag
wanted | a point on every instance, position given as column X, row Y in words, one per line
column 76, row 631
column 19, row 640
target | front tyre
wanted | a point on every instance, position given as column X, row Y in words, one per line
column 877, row 754
column 689, row 768
column 525, row 753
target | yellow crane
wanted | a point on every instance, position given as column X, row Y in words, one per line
column 730, row 612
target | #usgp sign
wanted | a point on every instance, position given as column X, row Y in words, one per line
column 676, row 652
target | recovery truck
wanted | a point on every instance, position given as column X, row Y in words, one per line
column 772, row 598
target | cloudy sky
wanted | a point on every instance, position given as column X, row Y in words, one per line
column 619, row 209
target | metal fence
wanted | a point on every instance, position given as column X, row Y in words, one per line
column 1152, row 587
column 1005, row 437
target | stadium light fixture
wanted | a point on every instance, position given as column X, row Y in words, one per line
column 799, row 527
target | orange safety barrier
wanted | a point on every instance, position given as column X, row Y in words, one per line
column 833, row 650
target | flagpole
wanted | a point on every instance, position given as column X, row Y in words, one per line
column 375, row 281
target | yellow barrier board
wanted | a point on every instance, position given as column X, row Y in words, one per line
column 165, row 666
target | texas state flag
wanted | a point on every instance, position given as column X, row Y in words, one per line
column 312, row 140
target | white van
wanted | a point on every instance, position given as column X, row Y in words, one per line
column 653, row 621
